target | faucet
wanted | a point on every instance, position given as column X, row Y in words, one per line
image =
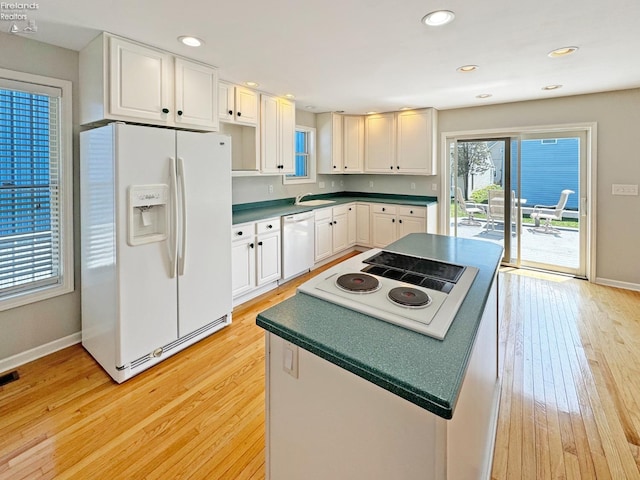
column 300, row 197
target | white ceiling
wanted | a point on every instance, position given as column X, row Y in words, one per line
column 363, row 55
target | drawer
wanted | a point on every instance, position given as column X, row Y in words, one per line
column 266, row 226
column 342, row 209
column 388, row 209
column 323, row 214
column 244, row 230
column 418, row 212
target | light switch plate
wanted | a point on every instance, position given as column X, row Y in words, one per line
column 290, row 359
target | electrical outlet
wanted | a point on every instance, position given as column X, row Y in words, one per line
column 342, row 183
column 619, row 189
column 413, row 185
column 290, row 359
column 333, row 184
column 270, row 188
column 321, row 185
column 371, row 184
column 434, row 187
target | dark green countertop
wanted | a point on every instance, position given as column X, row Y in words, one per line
column 251, row 212
column 421, row 369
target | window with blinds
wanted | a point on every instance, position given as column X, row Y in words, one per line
column 30, row 188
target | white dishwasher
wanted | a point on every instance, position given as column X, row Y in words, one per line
column 297, row 244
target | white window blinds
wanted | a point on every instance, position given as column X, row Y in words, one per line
column 30, row 203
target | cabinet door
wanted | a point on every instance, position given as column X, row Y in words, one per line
column 379, row 143
column 287, row 126
column 141, row 83
column 415, row 142
column 352, row 225
column 243, row 266
column 340, row 235
column 269, row 161
column 353, row 144
column 363, row 232
column 407, row 225
column 196, row 95
column 268, row 258
column 383, row 229
column 226, row 101
column 246, row 106
column 323, row 239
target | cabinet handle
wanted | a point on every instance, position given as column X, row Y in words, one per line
column 259, row 244
column 239, row 233
column 398, row 167
column 393, row 220
column 230, row 112
column 165, row 110
column 383, row 209
column 239, row 113
column 400, row 221
column 349, row 208
column 179, row 113
column 345, row 167
column 335, row 222
column 269, row 226
column 391, row 167
column 251, row 245
column 410, row 211
column 335, row 166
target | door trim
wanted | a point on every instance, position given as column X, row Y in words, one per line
column 591, row 132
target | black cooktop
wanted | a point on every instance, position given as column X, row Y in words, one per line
column 423, row 272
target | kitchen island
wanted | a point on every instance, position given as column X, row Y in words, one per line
column 350, row 396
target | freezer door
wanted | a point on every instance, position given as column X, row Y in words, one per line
column 204, row 260
column 147, row 295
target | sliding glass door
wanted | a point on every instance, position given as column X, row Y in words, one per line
column 525, row 193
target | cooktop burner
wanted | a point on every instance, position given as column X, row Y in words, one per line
column 409, row 297
column 358, row 283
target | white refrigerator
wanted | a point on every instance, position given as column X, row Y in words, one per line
column 156, row 253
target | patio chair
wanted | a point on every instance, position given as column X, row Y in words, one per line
column 543, row 214
column 495, row 210
column 470, row 209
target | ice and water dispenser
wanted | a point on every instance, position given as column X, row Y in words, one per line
column 148, row 214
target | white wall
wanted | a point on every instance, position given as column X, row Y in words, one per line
column 618, row 118
column 31, row 326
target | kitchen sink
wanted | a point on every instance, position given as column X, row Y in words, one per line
column 315, row 203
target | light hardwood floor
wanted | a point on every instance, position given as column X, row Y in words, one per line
column 570, row 405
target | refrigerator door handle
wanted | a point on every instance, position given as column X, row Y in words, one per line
column 183, row 236
column 173, row 253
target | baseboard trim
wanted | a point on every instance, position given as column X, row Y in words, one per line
column 19, row 359
column 618, row 284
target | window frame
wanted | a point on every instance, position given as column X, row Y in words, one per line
column 311, row 158
column 66, row 264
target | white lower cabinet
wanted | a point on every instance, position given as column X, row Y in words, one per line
column 332, row 230
column 363, row 224
column 391, row 222
column 256, row 255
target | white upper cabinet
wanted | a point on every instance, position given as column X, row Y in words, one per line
column 196, row 94
column 401, row 142
column 379, row 143
column 353, row 144
column 277, row 134
column 329, row 142
column 237, row 104
column 415, row 142
column 128, row 81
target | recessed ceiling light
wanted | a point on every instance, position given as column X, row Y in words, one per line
column 310, row 107
column 484, row 95
column 467, row 68
column 371, row 113
column 190, row 41
column 289, row 95
column 561, row 52
column 552, row 87
column 439, row 17
column 406, row 108
column 251, row 84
